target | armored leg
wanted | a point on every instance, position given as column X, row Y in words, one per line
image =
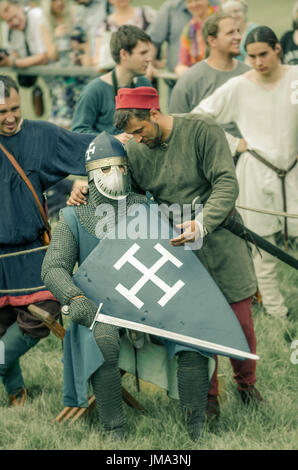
column 106, row 381
column 193, row 385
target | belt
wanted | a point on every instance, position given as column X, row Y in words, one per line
column 282, row 175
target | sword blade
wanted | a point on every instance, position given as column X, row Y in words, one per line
column 204, row 345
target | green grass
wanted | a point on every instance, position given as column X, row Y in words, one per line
column 272, row 426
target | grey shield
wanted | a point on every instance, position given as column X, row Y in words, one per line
column 150, row 286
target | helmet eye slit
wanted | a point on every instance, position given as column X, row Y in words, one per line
column 106, row 169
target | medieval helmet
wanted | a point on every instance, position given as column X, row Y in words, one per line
column 106, row 165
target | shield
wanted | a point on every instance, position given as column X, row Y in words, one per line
column 147, row 285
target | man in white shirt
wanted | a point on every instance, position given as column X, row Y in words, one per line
column 263, row 103
column 21, row 35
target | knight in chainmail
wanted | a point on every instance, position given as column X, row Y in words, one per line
column 75, row 236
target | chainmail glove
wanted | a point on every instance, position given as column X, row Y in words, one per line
column 82, row 311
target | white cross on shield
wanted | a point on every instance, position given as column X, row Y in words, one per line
column 149, row 274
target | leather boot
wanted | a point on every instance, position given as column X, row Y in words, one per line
column 19, row 398
column 250, row 395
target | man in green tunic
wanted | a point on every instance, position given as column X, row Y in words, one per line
column 184, row 159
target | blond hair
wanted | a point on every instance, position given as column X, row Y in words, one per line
column 51, row 21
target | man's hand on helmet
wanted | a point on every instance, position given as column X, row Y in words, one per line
column 78, row 195
column 123, row 138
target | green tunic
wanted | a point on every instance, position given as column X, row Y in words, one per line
column 196, row 161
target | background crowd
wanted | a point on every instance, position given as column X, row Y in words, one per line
column 78, row 32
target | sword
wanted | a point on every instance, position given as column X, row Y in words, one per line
column 241, row 231
column 96, row 319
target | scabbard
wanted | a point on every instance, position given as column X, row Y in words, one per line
column 243, row 232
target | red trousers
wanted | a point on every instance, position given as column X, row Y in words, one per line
column 244, row 371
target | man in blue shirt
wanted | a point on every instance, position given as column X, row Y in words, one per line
column 46, row 153
column 130, row 48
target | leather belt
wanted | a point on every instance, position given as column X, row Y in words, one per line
column 282, row 175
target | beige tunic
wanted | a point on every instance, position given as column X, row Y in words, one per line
column 268, row 121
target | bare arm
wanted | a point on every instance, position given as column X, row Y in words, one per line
column 49, row 43
column 38, row 59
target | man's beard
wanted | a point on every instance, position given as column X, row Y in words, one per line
column 157, row 140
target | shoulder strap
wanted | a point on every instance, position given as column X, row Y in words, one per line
column 25, row 33
column 145, row 20
column 28, row 183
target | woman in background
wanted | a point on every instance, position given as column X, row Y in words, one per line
column 238, row 9
column 68, row 45
column 192, row 45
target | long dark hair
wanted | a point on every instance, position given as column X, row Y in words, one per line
column 262, row 34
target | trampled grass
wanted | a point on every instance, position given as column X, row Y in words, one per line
column 270, row 426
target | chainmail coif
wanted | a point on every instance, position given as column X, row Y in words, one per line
column 88, row 215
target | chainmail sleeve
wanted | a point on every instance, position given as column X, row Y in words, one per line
column 59, row 262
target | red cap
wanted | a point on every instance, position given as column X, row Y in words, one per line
column 143, row 97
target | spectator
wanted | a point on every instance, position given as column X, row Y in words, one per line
column 62, row 41
column 222, row 37
column 192, row 46
column 167, row 27
column 69, row 45
column 89, row 14
column 124, row 13
column 21, row 35
column 238, row 9
column 23, row 45
column 289, row 41
column 130, row 48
